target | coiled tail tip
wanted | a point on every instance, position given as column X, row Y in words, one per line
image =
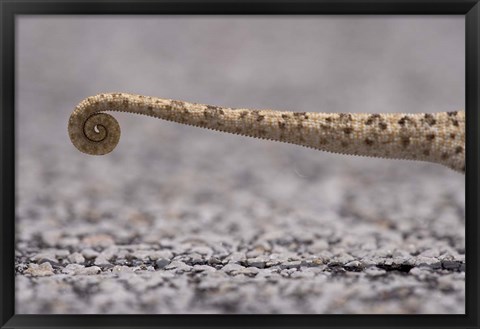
column 97, row 134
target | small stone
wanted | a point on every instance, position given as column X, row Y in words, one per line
column 450, row 264
column 162, row 262
column 45, row 256
column 122, row 269
column 427, row 261
column 318, row 246
column 141, row 254
column 289, row 265
column 101, row 260
column 229, row 268
column 68, row 242
column 62, row 253
column 178, row 266
column 98, row 240
column 196, row 259
column 422, row 273
column 259, row 262
column 51, row 238
column 354, row 265
column 343, row 259
column 202, row 250
column 160, row 254
column 374, row 271
column 89, row 253
column 44, row 269
column 76, row 258
column 287, row 272
column 249, row 271
column 236, row 257
column 92, row 270
column 203, row 268
column 71, row 268
column 214, row 261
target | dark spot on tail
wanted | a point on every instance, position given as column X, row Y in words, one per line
column 177, row 104
column 458, row 149
column 444, row 156
column 345, row 116
column 383, row 125
column 430, row 137
column 429, row 119
column 348, row 130
column 368, row 141
column 452, row 135
column 405, row 141
column 452, row 114
column 371, row 118
column 404, row 120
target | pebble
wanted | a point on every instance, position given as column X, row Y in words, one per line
column 289, row 265
column 76, row 257
column 69, row 241
column 98, row 240
column 195, row 258
column 72, row 268
column 259, row 262
column 374, row 271
column 249, row 271
column 160, row 254
column 427, row 261
column 101, row 260
column 89, row 253
column 178, row 266
column 203, row 268
column 45, row 256
column 141, row 254
column 91, row 270
column 122, row 269
column 354, row 265
column 162, row 262
column 236, row 258
column 229, row 268
column 62, row 253
column 205, row 251
column 450, row 264
column 44, row 269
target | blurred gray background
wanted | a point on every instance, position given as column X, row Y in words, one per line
column 183, row 220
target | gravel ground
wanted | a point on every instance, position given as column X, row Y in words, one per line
column 181, row 220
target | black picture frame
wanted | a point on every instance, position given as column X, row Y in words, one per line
column 11, row 8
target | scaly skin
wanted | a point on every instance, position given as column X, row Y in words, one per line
column 436, row 137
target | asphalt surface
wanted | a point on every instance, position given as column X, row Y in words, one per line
column 182, row 220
